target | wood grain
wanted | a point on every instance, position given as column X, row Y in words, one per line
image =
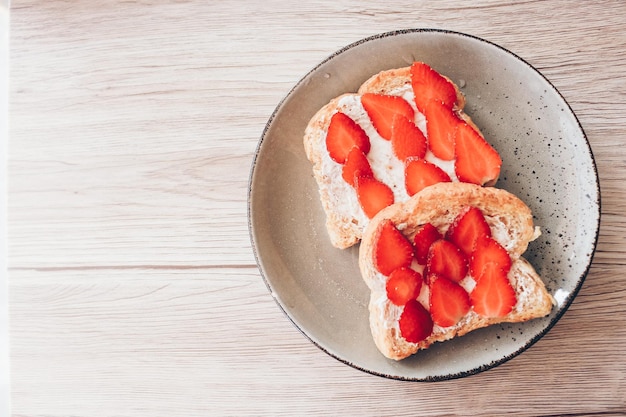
column 133, row 287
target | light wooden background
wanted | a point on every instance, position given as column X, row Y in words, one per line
column 133, row 290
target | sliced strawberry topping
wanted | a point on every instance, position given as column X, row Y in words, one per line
column 425, row 236
column 444, row 258
column 493, row 295
column 373, row 195
column 391, row 249
column 488, row 250
column 343, row 135
column 381, row 109
column 419, row 174
column 415, row 322
column 429, row 85
column 356, row 164
column 449, row 302
column 441, row 125
column 476, row 161
column 407, row 140
column 466, row 228
column 404, row 284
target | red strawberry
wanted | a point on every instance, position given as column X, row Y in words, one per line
column 404, row 284
column 429, row 85
column 381, row 109
column 488, row 250
column 356, row 164
column 441, row 125
column 425, row 236
column 419, row 174
column 466, row 228
column 415, row 322
column 444, row 258
column 343, row 135
column 449, row 302
column 373, row 195
column 493, row 295
column 407, row 140
column 476, row 161
column 391, row 249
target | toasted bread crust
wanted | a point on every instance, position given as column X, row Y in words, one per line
column 344, row 229
column 386, row 82
column 439, row 204
column 345, row 226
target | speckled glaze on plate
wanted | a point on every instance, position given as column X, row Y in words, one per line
column 547, row 162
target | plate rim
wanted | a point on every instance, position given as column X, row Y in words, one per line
column 562, row 308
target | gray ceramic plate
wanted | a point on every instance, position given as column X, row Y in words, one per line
column 547, row 162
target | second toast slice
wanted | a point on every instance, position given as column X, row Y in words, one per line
column 510, row 226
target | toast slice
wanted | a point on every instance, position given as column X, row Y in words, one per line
column 343, row 206
column 510, row 224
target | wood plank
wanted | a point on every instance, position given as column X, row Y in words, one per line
column 185, row 342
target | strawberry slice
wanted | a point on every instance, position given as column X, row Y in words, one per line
column 407, row 140
column 404, row 284
column 441, row 125
column 373, row 195
column 344, row 134
column 444, row 258
column 425, row 236
column 391, row 249
column 476, row 161
column 381, row 109
column 493, row 295
column 488, row 250
column 467, row 227
column 356, row 164
column 415, row 322
column 449, row 302
column 419, row 174
column 429, row 85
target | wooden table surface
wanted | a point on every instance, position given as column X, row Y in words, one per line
column 133, row 289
